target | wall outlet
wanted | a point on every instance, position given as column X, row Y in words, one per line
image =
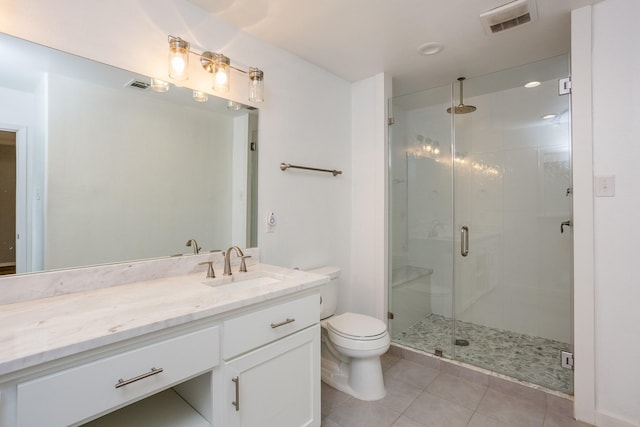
column 271, row 222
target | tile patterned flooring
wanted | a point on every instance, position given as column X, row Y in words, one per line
column 424, row 392
column 525, row 357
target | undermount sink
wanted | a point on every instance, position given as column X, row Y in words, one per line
column 243, row 281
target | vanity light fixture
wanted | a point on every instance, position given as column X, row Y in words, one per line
column 234, row 106
column 200, row 96
column 214, row 63
column 159, row 85
column 178, row 58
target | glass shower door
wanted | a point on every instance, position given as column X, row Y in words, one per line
column 512, row 260
column 421, row 244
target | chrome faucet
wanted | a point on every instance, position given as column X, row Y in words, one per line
column 196, row 248
column 227, row 260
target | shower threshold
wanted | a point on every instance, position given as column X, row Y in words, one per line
column 528, row 358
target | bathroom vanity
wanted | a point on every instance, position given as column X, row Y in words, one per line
column 183, row 350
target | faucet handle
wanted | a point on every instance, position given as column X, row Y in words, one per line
column 243, row 265
column 210, row 273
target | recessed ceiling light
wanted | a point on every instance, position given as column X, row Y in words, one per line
column 430, row 48
column 532, row 84
column 548, row 116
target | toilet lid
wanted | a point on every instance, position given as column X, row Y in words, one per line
column 357, row 325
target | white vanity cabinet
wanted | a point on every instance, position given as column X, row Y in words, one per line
column 74, row 395
column 272, row 366
column 165, row 353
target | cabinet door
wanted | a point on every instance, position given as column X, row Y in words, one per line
column 276, row 385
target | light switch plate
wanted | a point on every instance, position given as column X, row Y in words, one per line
column 605, row 186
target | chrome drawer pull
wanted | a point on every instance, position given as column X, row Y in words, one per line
column 236, row 380
column 153, row 371
column 286, row 322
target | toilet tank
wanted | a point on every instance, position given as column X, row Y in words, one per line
column 329, row 291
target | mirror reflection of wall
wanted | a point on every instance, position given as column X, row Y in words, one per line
column 116, row 173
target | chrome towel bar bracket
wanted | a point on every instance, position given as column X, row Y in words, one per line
column 285, row 166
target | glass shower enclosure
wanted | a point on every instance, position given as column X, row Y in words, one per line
column 480, row 236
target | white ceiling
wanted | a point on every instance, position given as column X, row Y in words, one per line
column 356, row 39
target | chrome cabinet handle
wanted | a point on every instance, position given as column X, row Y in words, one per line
column 285, row 322
column 464, row 240
column 563, row 224
column 153, row 371
column 236, row 380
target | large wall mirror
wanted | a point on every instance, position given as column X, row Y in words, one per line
column 96, row 167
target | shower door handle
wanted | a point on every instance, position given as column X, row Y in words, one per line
column 563, row 224
column 464, row 240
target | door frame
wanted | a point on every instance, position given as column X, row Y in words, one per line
column 21, row 237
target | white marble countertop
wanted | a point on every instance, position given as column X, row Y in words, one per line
column 43, row 330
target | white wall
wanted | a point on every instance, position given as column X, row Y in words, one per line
column 369, row 194
column 305, row 119
column 616, row 150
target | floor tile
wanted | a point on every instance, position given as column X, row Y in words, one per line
column 411, row 373
column 479, row 420
column 387, row 360
column 556, row 420
column 329, row 423
column 511, row 410
column 358, row 413
column 457, row 390
column 400, row 394
column 407, row 422
column 331, row 399
column 435, row 411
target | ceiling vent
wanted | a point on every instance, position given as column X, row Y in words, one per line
column 508, row 16
column 138, row 84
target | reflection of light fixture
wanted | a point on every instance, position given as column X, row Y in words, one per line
column 159, row 85
column 199, row 96
column 214, row 63
column 232, row 105
column 532, row 84
column 178, row 58
column 548, row 116
column 436, row 148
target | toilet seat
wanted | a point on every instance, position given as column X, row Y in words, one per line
column 357, row 326
column 357, row 332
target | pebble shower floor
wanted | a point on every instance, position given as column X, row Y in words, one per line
column 525, row 357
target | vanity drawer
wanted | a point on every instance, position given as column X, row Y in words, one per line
column 261, row 327
column 75, row 394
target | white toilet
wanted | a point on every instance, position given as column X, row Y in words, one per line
column 351, row 345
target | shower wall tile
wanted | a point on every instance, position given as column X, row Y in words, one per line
column 520, row 243
column 521, row 180
column 555, row 314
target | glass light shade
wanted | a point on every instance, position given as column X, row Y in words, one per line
column 200, row 96
column 178, row 59
column 232, row 105
column 256, row 85
column 222, row 73
column 159, row 85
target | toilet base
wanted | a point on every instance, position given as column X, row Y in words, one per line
column 360, row 378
